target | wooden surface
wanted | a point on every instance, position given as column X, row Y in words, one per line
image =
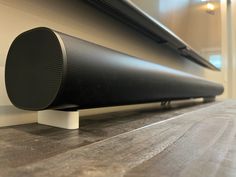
column 194, row 140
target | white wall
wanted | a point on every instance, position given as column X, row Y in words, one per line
column 231, row 24
column 77, row 18
column 189, row 20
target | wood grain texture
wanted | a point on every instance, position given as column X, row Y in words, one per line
column 196, row 141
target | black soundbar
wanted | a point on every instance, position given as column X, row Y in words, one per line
column 46, row 69
column 129, row 13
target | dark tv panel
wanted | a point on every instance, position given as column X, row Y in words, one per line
column 127, row 12
column 46, row 69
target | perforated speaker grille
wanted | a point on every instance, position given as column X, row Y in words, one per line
column 34, row 69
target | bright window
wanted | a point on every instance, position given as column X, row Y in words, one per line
column 216, row 60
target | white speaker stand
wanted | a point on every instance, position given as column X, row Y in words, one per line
column 60, row 119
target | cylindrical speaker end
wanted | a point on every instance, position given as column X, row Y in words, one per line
column 34, row 69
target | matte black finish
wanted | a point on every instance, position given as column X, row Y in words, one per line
column 128, row 13
column 46, row 69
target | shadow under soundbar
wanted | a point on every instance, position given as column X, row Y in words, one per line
column 46, row 69
column 129, row 13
